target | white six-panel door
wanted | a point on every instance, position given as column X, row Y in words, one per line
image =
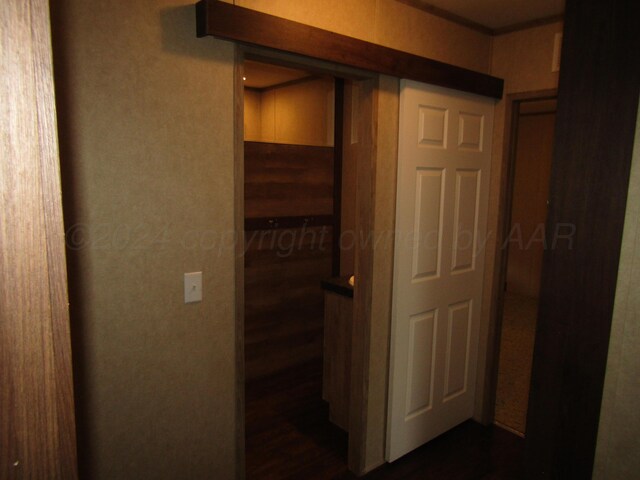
column 444, row 159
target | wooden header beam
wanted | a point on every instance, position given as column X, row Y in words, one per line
column 229, row 22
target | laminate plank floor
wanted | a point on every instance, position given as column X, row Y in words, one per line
column 289, row 436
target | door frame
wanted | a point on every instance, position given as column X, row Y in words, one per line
column 505, row 201
column 364, row 255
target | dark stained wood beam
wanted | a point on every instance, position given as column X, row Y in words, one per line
column 229, row 22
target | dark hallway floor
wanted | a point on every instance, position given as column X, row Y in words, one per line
column 289, row 436
column 516, row 356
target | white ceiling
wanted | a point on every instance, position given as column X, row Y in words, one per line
column 496, row 14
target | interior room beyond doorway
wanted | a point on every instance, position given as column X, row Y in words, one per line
column 525, row 242
column 292, row 199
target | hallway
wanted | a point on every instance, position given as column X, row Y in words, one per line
column 516, row 355
column 290, row 437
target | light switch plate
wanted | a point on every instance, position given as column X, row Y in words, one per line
column 192, row 287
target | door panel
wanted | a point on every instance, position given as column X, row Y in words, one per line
column 426, row 249
column 443, row 159
column 465, row 221
column 422, row 349
column 456, row 368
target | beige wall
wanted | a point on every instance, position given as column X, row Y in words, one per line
column 252, row 115
column 523, row 58
column 389, row 23
column 298, row 114
column 618, row 444
column 146, row 122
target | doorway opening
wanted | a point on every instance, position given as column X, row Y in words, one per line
column 529, row 164
column 299, row 199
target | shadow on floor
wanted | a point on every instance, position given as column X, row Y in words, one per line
column 289, row 436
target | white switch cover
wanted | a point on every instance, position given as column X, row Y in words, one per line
column 192, row 287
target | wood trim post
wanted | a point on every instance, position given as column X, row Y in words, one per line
column 239, row 220
column 37, row 420
column 363, row 288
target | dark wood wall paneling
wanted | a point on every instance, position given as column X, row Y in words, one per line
column 287, row 180
column 597, row 104
column 243, row 25
column 289, row 221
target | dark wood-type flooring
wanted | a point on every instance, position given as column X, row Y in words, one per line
column 289, row 436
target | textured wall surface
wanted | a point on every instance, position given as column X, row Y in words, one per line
column 523, row 58
column 146, row 127
column 618, row 442
column 252, row 115
column 298, row 114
